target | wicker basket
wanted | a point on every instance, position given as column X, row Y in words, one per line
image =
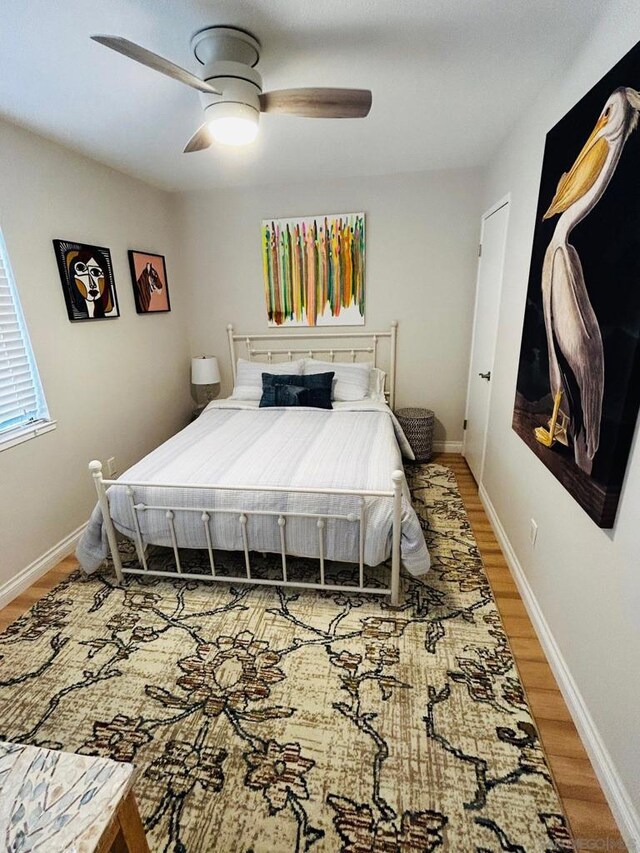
column 417, row 425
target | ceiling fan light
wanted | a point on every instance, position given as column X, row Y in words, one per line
column 233, row 131
column 232, row 124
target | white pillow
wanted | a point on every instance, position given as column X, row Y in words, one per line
column 249, row 376
column 376, row 385
column 351, row 380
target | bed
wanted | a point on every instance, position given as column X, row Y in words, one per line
column 296, row 481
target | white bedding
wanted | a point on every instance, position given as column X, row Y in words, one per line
column 233, row 442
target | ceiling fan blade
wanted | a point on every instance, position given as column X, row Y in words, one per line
column 200, row 140
column 318, row 103
column 152, row 60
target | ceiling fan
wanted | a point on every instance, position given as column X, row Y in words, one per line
column 231, row 89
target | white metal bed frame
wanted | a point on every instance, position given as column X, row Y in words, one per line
column 394, row 493
column 290, row 352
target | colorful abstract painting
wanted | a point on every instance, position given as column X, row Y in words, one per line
column 314, row 270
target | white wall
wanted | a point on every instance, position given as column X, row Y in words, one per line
column 120, row 387
column 422, row 232
column 116, row 387
column 586, row 580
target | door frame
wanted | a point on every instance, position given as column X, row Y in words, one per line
column 504, row 201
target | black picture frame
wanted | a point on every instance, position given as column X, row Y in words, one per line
column 580, row 350
column 88, row 295
column 149, row 281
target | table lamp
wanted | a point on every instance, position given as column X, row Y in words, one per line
column 205, row 376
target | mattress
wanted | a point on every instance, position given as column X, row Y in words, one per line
column 235, row 443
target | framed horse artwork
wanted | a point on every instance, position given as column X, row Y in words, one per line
column 149, row 280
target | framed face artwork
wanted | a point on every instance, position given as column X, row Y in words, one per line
column 149, row 280
column 87, row 280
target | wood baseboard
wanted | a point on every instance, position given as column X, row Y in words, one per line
column 626, row 815
column 30, row 574
column 447, row 447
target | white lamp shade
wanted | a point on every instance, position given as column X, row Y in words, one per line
column 205, row 370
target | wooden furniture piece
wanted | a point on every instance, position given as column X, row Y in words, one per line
column 60, row 801
column 417, row 425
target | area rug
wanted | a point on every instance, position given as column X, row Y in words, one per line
column 263, row 719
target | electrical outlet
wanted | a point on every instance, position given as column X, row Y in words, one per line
column 533, row 532
column 112, row 468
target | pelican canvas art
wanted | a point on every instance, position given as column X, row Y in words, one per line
column 578, row 387
column 314, row 270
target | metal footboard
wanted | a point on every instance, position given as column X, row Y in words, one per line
column 280, row 518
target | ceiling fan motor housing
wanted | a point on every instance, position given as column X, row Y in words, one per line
column 228, row 56
column 240, row 85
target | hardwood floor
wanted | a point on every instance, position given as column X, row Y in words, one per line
column 591, row 820
column 27, row 598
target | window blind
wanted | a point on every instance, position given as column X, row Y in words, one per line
column 22, row 402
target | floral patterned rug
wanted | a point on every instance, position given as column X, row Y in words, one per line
column 263, row 719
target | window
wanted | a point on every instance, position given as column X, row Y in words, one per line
column 23, row 410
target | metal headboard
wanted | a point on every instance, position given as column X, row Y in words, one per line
column 365, row 342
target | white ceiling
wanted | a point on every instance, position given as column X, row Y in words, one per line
column 449, row 77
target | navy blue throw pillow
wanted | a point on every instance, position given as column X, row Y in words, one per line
column 318, row 386
column 269, row 379
column 283, row 395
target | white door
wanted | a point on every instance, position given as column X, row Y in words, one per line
column 493, row 237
